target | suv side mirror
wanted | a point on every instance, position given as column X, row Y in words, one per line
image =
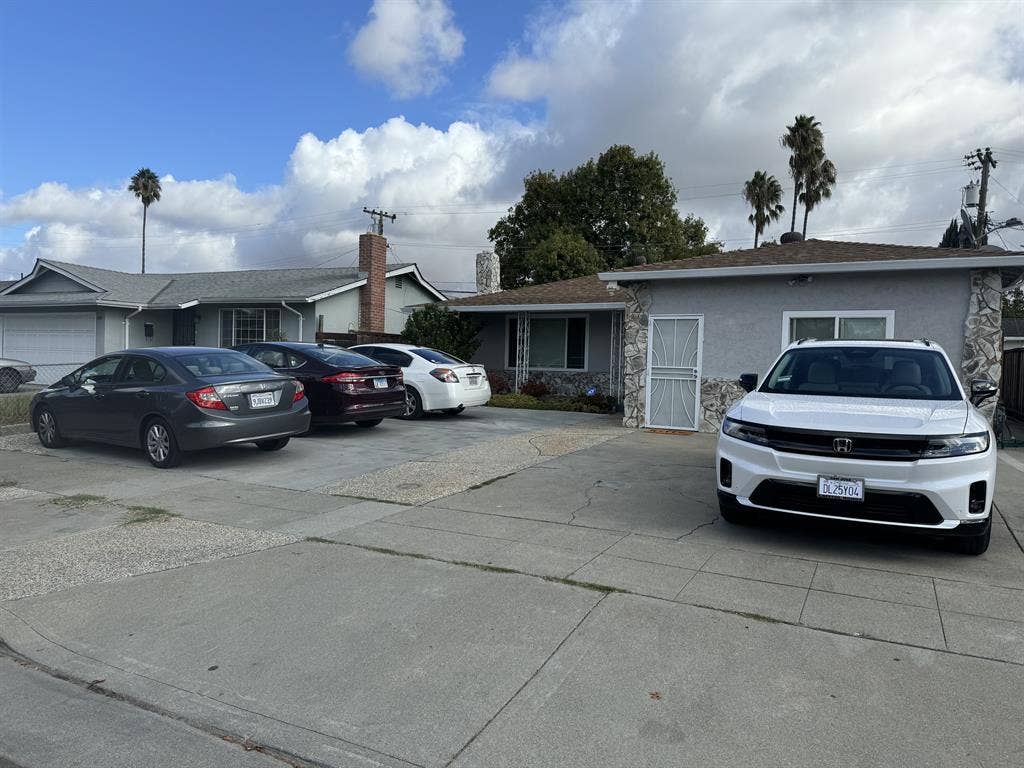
column 982, row 389
column 748, row 381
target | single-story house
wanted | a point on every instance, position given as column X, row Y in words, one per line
column 62, row 314
column 674, row 337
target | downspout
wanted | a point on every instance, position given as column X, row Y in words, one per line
column 126, row 324
column 294, row 311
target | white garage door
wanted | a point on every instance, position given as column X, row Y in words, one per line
column 54, row 343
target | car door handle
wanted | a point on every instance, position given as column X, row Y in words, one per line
column 142, row 394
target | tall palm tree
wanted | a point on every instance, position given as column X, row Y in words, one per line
column 818, row 183
column 146, row 186
column 764, row 194
column 805, row 141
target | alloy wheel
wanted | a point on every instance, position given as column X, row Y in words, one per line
column 158, row 442
column 410, row 403
column 47, row 428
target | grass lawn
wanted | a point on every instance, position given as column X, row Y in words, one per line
column 14, row 408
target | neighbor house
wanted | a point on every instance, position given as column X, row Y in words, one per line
column 62, row 314
column 672, row 339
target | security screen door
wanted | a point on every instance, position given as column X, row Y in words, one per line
column 674, row 346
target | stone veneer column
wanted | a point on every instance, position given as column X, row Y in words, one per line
column 634, row 346
column 983, row 331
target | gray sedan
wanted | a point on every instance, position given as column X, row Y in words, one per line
column 14, row 373
column 167, row 400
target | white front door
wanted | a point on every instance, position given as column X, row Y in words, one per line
column 674, row 347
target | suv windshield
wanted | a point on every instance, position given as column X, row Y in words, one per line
column 863, row 371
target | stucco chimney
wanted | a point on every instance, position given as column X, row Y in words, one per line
column 488, row 272
column 373, row 253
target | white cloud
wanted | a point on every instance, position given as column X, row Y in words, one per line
column 408, row 45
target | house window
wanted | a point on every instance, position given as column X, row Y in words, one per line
column 556, row 343
column 245, row 326
column 844, row 324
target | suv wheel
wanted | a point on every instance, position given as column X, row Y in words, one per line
column 159, row 444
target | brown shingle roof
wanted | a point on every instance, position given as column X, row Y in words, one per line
column 814, row 252
column 580, row 290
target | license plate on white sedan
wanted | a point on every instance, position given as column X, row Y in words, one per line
column 380, row 383
column 840, row 488
column 261, row 400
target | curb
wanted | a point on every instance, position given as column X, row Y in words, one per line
column 15, row 429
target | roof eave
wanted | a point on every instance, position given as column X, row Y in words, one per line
column 765, row 270
column 563, row 307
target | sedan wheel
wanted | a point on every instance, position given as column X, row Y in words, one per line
column 413, row 404
column 47, row 429
column 160, row 446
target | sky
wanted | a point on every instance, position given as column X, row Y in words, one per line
column 273, row 124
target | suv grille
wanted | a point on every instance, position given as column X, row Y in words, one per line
column 879, row 506
column 875, row 447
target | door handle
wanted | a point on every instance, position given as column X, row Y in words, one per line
column 142, row 394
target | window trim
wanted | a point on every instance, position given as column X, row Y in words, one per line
column 838, row 314
column 565, row 346
column 234, row 341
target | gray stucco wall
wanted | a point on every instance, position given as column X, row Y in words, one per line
column 51, row 282
column 743, row 317
column 340, row 311
column 208, row 327
column 163, row 328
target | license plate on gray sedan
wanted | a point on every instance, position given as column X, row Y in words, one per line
column 380, row 383
column 840, row 488
column 261, row 400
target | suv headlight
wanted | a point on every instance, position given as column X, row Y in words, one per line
column 962, row 445
column 741, row 430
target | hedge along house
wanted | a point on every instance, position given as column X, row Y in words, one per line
column 691, row 327
column 566, row 334
column 62, row 315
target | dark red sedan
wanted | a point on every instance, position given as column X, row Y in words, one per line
column 341, row 385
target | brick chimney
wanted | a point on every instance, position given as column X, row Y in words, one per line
column 373, row 252
column 488, row 272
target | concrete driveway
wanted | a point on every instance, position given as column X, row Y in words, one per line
column 501, row 588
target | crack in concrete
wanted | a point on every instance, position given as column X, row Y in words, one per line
column 585, row 504
column 698, row 527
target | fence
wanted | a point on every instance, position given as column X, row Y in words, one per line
column 1012, row 386
column 351, row 338
column 48, row 373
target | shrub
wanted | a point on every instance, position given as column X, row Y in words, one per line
column 439, row 328
column 580, row 404
column 534, row 388
column 512, row 400
column 499, row 383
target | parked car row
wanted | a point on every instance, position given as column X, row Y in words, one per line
column 170, row 400
column 14, row 373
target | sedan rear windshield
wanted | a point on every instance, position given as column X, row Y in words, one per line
column 221, row 363
column 863, row 371
column 340, row 357
column 438, row 358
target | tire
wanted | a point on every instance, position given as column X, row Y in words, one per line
column 369, row 423
column 737, row 515
column 10, row 380
column 160, row 445
column 272, row 445
column 413, row 404
column 973, row 545
column 47, row 429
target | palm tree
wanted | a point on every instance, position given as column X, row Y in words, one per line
column 805, row 141
column 764, row 194
column 146, row 186
column 818, row 183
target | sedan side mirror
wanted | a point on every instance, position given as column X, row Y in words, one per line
column 748, row 381
column 982, row 389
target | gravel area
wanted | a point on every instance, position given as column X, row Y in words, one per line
column 26, row 442
column 12, row 492
column 417, row 482
column 117, row 552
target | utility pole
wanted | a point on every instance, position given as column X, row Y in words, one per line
column 984, row 162
column 379, row 216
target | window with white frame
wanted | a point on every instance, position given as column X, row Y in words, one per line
column 840, row 324
column 245, row 326
column 556, row 343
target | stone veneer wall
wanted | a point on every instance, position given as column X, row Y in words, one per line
column 637, row 297
column 716, row 397
column 983, row 331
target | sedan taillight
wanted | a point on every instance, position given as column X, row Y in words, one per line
column 447, row 375
column 345, row 377
column 300, row 391
column 207, row 397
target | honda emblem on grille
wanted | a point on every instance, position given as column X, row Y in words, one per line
column 842, row 445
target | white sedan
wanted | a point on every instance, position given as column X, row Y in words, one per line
column 434, row 381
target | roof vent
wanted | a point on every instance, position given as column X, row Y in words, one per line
column 791, row 237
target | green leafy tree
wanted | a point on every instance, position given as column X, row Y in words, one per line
column 622, row 205
column 806, row 145
column 764, row 194
column 439, row 328
column 146, row 186
column 564, row 255
column 818, row 182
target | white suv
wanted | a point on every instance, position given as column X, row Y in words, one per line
column 866, row 431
